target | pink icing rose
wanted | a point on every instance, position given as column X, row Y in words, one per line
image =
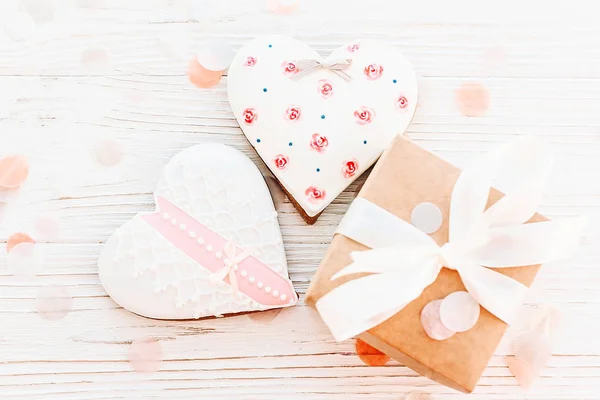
column 250, row 116
column 350, row 168
column 402, row 102
column 281, row 161
column 353, row 48
column 250, row 61
column 325, row 88
column 318, row 142
column 364, row 115
column 293, row 113
column 314, row 194
column 373, row 71
column 289, row 68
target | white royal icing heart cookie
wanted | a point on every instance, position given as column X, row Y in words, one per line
column 319, row 124
column 212, row 247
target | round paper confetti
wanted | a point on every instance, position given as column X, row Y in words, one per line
column 202, row 77
column 25, row 259
column 16, row 239
column 47, row 226
column 432, row 325
column 522, row 371
column 14, row 170
column 53, row 302
column 427, row 217
column 95, row 59
column 19, row 26
column 7, row 195
column 145, row 355
column 264, row 317
column 41, row 11
column 282, row 6
column 370, row 355
column 472, row 99
column 459, row 311
column 533, row 347
column 108, row 152
column 215, row 55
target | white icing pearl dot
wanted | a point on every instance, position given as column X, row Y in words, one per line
column 218, row 255
column 192, row 234
column 174, row 221
column 235, row 268
column 209, row 248
column 200, row 241
column 226, row 261
column 283, row 297
column 244, row 273
column 268, row 289
column 275, row 293
column 252, row 279
column 427, row 217
column 182, row 227
column 165, row 216
column 259, row 285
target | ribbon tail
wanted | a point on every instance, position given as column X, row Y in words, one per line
column 218, row 276
column 361, row 304
column 234, row 284
column 500, row 295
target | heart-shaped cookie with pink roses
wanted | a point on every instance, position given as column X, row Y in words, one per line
column 320, row 123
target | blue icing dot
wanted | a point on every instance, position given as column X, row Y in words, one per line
column 270, row 45
column 257, row 140
column 318, row 169
column 265, row 90
column 290, row 143
column 365, row 142
column 323, row 116
column 395, row 81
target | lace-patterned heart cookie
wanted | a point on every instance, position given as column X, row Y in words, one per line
column 212, row 247
column 319, row 124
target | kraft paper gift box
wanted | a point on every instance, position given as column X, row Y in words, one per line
column 405, row 176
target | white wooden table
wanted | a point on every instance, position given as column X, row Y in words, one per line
column 543, row 75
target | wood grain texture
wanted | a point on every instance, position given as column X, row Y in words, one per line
column 541, row 70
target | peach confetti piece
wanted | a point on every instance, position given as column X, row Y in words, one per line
column 472, row 99
column 417, row 396
column 459, row 311
column 19, row 26
column 47, row 226
column 108, row 152
column 264, row 317
column 521, row 370
column 25, row 259
column 145, row 355
column 53, row 302
column 282, row 6
column 431, row 322
column 18, row 238
column 215, row 55
column 14, row 171
column 370, row 355
column 202, row 77
column 95, row 59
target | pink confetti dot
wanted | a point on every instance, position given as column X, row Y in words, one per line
column 431, row 322
column 145, row 355
column 108, row 152
column 95, row 59
column 472, row 99
column 53, row 302
column 14, row 171
column 25, row 259
column 282, row 6
column 47, row 226
column 202, row 77
column 459, row 311
column 264, row 317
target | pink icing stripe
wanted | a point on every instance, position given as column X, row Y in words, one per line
column 178, row 233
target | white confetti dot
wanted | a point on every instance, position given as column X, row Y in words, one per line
column 19, row 26
column 53, row 302
column 47, row 226
column 427, row 217
column 215, row 55
column 459, row 311
column 108, row 152
column 432, row 325
column 25, row 259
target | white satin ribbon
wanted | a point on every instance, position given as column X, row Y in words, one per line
column 231, row 261
column 403, row 260
column 338, row 67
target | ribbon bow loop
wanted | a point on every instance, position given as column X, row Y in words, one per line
column 338, row 67
column 403, row 260
column 231, row 262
